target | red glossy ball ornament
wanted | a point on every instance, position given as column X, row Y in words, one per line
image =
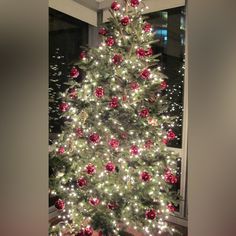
column 74, row 73
column 81, row 182
column 144, row 113
column 147, row 27
column 134, row 150
column 60, row 204
column 117, row 59
column 63, row 107
column 110, row 41
column 145, row 176
column 114, row 102
column 99, row 92
column 115, row 6
column 134, row 3
column 145, row 74
column 110, row 167
column 125, row 20
column 163, row 85
column 94, row 138
column 148, row 144
column 114, row 143
column 140, row 52
column 94, row 201
column 149, row 52
column 170, row 178
column 102, row 31
column 171, row 207
column 170, row 135
column 61, row 150
column 134, row 86
column 90, row 169
column 88, row 231
column 151, row 214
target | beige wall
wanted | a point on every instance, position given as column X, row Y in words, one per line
column 75, row 9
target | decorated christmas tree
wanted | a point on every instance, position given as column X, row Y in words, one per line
column 111, row 166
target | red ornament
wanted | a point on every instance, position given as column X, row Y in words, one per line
column 125, row 20
column 110, row 167
column 64, row 107
column 59, row 204
column 79, row 132
column 114, row 102
column 145, row 176
column 112, row 205
column 145, row 74
column 151, row 214
column 171, row 207
column 163, row 85
column 88, row 231
column 134, row 86
column 144, row 113
column 134, row 150
column 148, row 144
column 94, row 201
column 102, row 31
column 140, row 52
column 115, row 6
column 117, row 59
column 90, row 169
column 170, row 135
column 147, row 27
column 94, row 138
column 110, row 41
column 74, row 73
column 99, row 92
column 134, row 3
column 82, row 55
column 61, row 150
column 170, row 178
column 114, row 143
column 149, row 52
column 81, row 182
column 73, row 93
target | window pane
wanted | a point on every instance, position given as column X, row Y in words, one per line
column 169, row 29
column 66, row 36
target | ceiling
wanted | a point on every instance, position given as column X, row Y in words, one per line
column 95, row 4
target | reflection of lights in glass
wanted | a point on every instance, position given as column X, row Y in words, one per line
column 162, row 33
column 182, row 23
column 164, row 15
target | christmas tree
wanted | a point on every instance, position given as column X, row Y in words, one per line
column 111, row 166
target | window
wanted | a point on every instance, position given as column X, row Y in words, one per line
column 66, row 36
column 169, row 29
